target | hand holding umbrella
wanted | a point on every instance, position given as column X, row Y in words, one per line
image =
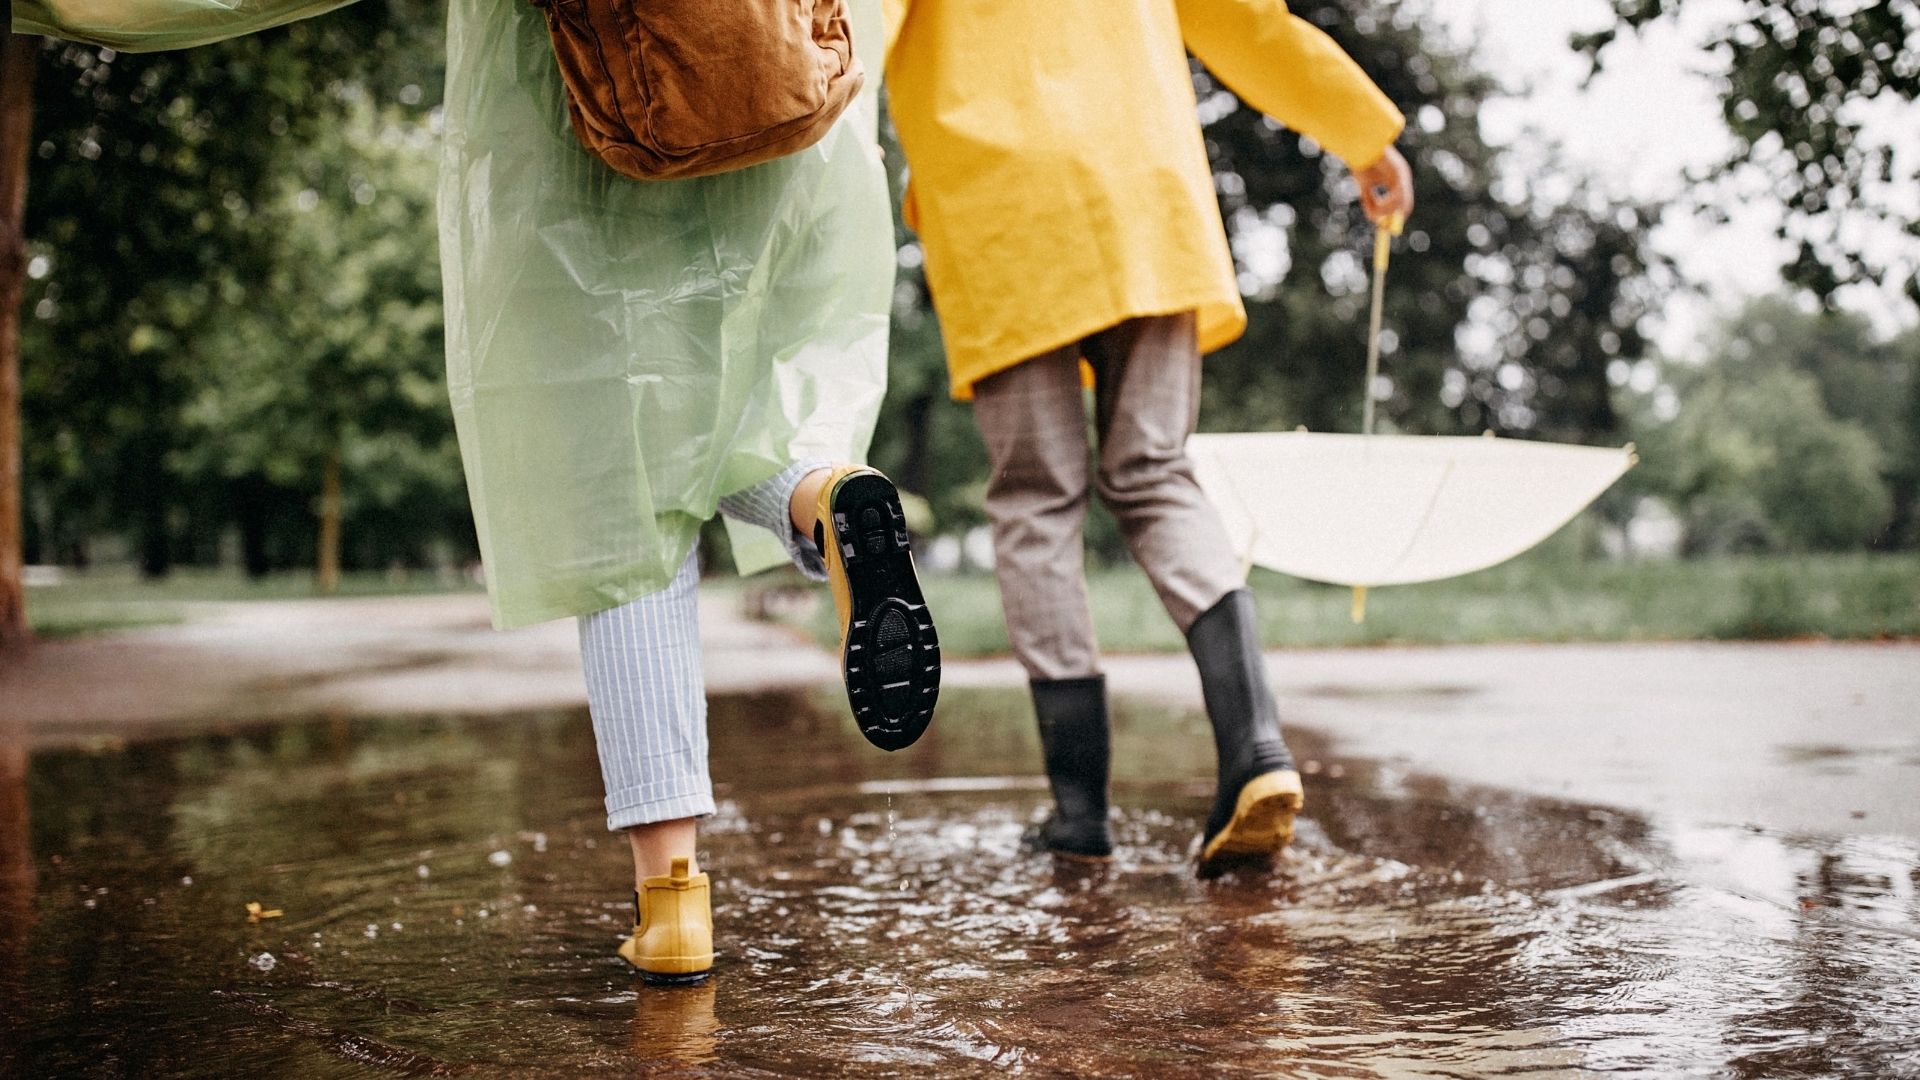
column 1386, row 189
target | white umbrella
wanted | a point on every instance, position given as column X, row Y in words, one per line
column 1366, row 510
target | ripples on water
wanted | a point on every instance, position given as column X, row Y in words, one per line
column 452, row 901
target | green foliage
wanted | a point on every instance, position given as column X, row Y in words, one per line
column 1512, row 291
column 1763, row 465
column 154, row 220
column 1797, row 77
column 336, row 350
column 1796, row 435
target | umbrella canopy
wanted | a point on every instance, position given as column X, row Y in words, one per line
column 1366, row 510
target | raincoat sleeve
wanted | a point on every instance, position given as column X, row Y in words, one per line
column 153, row 25
column 1289, row 69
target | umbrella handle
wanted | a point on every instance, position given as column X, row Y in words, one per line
column 1383, row 235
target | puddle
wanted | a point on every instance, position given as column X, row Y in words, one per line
column 451, row 902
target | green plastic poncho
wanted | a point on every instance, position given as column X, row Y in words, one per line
column 152, row 25
column 620, row 354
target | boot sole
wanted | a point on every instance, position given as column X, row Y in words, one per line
column 891, row 656
column 691, row 969
column 657, row 978
column 1261, row 825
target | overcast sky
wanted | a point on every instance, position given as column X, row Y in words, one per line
column 1648, row 118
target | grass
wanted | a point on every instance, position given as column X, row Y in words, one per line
column 1545, row 596
column 85, row 602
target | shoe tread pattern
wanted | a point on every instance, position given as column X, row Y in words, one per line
column 892, row 660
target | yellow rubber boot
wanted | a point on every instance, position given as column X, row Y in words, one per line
column 889, row 653
column 672, row 938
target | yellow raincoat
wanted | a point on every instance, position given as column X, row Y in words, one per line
column 1059, row 181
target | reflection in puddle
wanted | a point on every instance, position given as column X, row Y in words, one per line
column 451, row 903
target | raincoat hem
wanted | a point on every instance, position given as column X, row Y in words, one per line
column 596, row 593
column 1220, row 324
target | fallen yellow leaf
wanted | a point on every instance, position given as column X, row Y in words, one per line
column 255, row 912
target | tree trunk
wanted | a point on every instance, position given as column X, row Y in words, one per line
column 17, row 878
column 16, row 126
column 156, row 533
column 251, row 496
column 326, row 576
column 916, row 470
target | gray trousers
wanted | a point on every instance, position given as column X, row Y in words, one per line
column 645, row 690
column 1034, row 419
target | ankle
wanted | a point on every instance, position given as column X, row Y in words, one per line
column 802, row 504
column 1263, row 755
column 657, row 844
column 640, row 877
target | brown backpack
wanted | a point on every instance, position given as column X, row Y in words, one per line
column 666, row 89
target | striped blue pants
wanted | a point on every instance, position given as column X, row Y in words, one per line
column 644, row 687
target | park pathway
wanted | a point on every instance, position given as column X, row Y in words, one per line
column 1800, row 736
column 282, row 659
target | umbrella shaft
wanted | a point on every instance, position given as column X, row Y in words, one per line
column 1373, row 334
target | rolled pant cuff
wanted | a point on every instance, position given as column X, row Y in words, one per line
column 766, row 504
column 629, row 808
column 807, row 558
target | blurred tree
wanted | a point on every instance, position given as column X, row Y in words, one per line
column 1800, row 431
column 16, row 125
column 1514, row 289
column 1758, row 463
column 149, row 175
column 1863, row 381
column 1801, row 79
column 328, row 377
column 1905, row 529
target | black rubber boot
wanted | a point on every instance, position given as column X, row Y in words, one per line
column 1225, row 643
column 1078, row 749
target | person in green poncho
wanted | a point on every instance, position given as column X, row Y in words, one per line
column 624, row 360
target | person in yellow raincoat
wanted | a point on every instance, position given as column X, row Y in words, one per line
column 1061, row 190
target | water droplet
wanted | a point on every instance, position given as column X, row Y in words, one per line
column 502, row 857
column 263, row 961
